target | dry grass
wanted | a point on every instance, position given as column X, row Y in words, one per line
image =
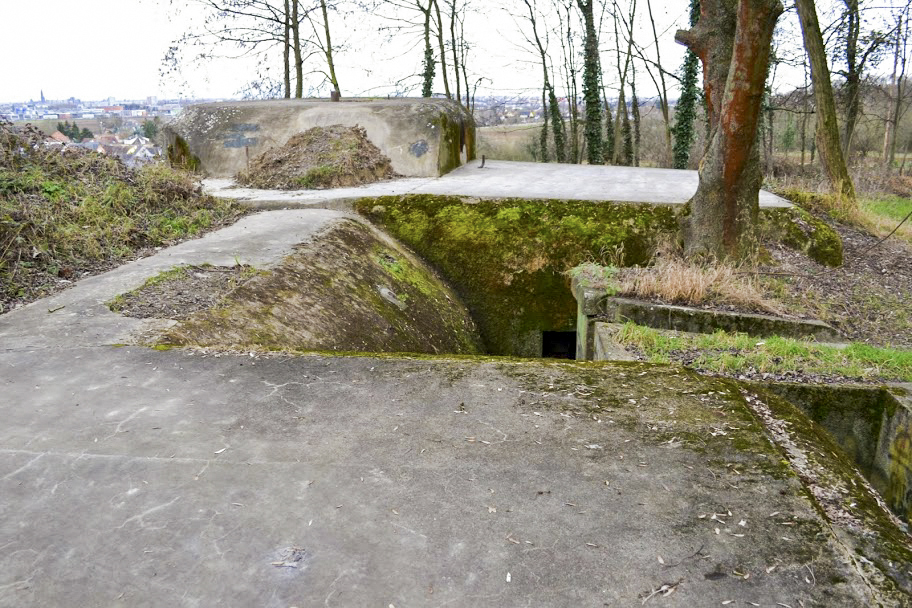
column 677, row 281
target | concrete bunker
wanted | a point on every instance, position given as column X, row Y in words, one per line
column 421, row 137
column 508, row 258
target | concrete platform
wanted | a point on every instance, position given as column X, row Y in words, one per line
column 503, row 179
column 142, row 478
column 136, row 477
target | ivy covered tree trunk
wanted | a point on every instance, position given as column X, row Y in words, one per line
column 608, row 143
column 732, row 39
column 828, row 145
column 686, row 110
column 543, row 138
column 591, row 72
column 557, row 125
column 427, row 85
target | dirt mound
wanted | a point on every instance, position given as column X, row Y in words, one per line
column 321, row 157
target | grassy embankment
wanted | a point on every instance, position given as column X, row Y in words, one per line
column 67, row 213
column 734, row 354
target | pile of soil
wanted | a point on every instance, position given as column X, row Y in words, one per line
column 319, row 158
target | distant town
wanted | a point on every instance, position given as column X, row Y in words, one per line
column 128, row 129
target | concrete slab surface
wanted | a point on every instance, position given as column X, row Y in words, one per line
column 143, row 478
column 503, row 179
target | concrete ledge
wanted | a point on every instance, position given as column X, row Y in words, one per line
column 697, row 320
column 594, row 305
column 422, row 137
column 870, row 423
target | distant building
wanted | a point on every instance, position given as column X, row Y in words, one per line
column 58, row 137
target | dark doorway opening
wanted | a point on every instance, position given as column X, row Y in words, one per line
column 559, row 344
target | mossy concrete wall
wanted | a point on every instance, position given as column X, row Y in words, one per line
column 872, row 425
column 508, row 258
column 421, row 137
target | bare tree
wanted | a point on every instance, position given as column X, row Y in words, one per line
column 898, row 91
column 552, row 109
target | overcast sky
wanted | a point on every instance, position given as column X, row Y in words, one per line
column 93, row 49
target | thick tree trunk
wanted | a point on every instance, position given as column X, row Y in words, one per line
column 732, row 39
column 591, row 72
column 829, row 147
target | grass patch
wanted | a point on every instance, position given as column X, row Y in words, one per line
column 65, row 212
column 881, row 214
column 734, row 354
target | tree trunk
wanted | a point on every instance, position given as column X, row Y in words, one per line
column 852, row 77
column 455, row 55
column 663, row 93
column 829, row 147
column 609, row 129
column 336, row 94
column 591, row 70
column 804, row 115
column 299, row 60
column 443, row 67
column 635, row 111
column 286, row 50
column 732, row 39
column 557, row 125
column 427, row 86
column 686, row 109
column 543, row 142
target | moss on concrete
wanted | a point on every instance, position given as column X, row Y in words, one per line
column 180, row 156
column 507, row 258
column 799, row 230
column 457, row 132
column 844, row 498
column 348, row 290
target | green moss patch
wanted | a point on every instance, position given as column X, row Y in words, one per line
column 348, row 290
column 799, row 230
column 507, row 258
